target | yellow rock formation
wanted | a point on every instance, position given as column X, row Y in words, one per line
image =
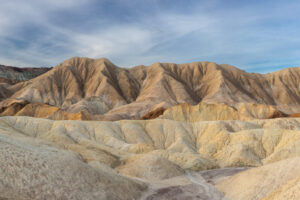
column 211, row 112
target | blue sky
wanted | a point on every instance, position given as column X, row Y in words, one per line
column 257, row 36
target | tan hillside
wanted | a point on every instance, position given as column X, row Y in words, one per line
column 201, row 145
column 150, row 167
column 211, row 112
column 98, row 87
column 181, row 112
column 280, row 180
column 34, row 169
column 25, row 108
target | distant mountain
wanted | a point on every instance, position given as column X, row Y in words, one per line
column 105, row 91
column 14, row 74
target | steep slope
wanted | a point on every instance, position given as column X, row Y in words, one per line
column 98, row 87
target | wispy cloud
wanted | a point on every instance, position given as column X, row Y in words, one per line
column 254, row 36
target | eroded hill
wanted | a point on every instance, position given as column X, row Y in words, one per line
column 101, row 89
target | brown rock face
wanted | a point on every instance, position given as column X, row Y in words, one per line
column 104, row 91
column 294, row 115
column 154, row 114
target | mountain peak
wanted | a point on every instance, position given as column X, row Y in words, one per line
column 77, row 59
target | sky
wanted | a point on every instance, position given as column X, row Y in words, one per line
column 253, row 35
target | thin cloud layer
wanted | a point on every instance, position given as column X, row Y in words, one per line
column 255, row 36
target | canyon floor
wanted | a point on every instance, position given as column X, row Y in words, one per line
column 87, row 129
